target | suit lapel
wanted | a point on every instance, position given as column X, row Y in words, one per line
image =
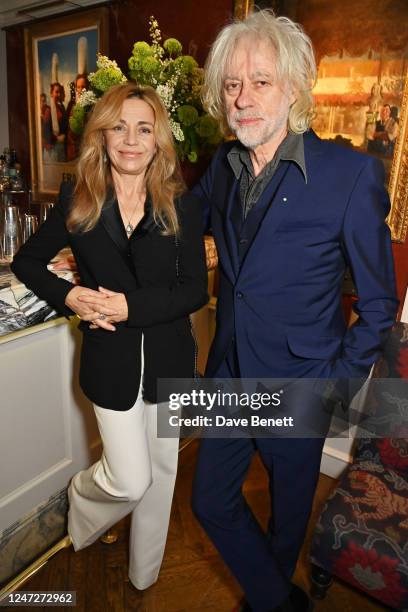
column 282, row 197
column 256, row 217
column 226, row 190
column 291, row 188
column 231, row 241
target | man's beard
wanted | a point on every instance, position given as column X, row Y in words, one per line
column 255, row 136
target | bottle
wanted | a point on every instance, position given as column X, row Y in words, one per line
column 4, row 175
column 6, row 154
column 3, row 166
column 13, row 163
column 16, row 179
column 6, row 159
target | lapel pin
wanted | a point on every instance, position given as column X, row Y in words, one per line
column 284, row 199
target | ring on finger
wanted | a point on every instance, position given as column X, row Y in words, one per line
column 101, row 317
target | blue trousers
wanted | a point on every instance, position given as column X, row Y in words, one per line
column 263, row 563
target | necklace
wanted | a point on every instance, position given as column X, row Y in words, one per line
column 129, row 227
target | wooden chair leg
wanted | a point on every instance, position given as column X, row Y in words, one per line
column 321, row 581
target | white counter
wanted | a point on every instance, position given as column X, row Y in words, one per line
column 47, row 424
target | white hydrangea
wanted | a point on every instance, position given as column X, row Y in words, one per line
column 166, row 92
column 104, row 62
column 176, row 129
column 87, row 98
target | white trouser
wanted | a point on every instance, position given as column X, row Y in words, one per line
column 136, row 474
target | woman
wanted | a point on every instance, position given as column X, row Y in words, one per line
column 137, row 240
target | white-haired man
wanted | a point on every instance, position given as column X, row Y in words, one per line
column 288, row 212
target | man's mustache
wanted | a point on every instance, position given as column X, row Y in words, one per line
column 239, row 115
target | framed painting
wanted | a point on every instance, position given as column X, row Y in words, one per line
column 361, row 93
column 242, row 8
column 60, row 53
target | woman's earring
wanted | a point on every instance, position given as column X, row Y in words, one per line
column 105, row 157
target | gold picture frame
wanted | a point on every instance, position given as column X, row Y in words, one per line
column 398, row 185
column 242, row 8
column 52, row 49
column 398, row 174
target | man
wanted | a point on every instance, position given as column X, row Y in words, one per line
column 385, row 135
column 45, row 114
column 73, row 140
column 55, row 123
column 288, row 213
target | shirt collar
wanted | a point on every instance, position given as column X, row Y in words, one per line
column 291, row 149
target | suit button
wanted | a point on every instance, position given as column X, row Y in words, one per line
column 239, row 295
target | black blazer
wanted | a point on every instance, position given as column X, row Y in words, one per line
column 144, row 269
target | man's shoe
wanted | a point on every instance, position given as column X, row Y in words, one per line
column 297, row 601
column 285, row 607
column 243, row 606
column 300, row 600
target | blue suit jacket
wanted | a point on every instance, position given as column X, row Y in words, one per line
column 283, row 304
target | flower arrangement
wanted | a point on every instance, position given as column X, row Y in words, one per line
column 177, row 79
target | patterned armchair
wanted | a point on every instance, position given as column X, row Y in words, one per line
column 362, row 534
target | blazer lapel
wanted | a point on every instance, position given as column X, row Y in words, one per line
column 290, row 189
column 147, row 223
column 226, row 190
column 255, row 220
column 111, row 221
column 285, row 193
column 230, row 238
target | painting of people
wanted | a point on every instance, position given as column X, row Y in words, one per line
column 62, row 55
column 362, row 55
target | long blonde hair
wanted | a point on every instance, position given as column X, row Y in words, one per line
column 163, row 177
column 295, row 64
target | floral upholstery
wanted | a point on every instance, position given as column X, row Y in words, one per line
column 362, row 533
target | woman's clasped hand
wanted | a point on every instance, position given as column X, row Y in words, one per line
column 107, row 307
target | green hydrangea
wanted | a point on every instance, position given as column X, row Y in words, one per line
column 104, row 78
column 134, row 63
column 206, row 127
column 216, row 138
column 77, row 119
column 192, row 156
column 188, row 115
column 172, row 46
column 144, row 71
column 142, row 48
column 185, row 63
column 150, row 64
column 197, row 75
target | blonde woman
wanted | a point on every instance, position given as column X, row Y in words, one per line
column 137, row 238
